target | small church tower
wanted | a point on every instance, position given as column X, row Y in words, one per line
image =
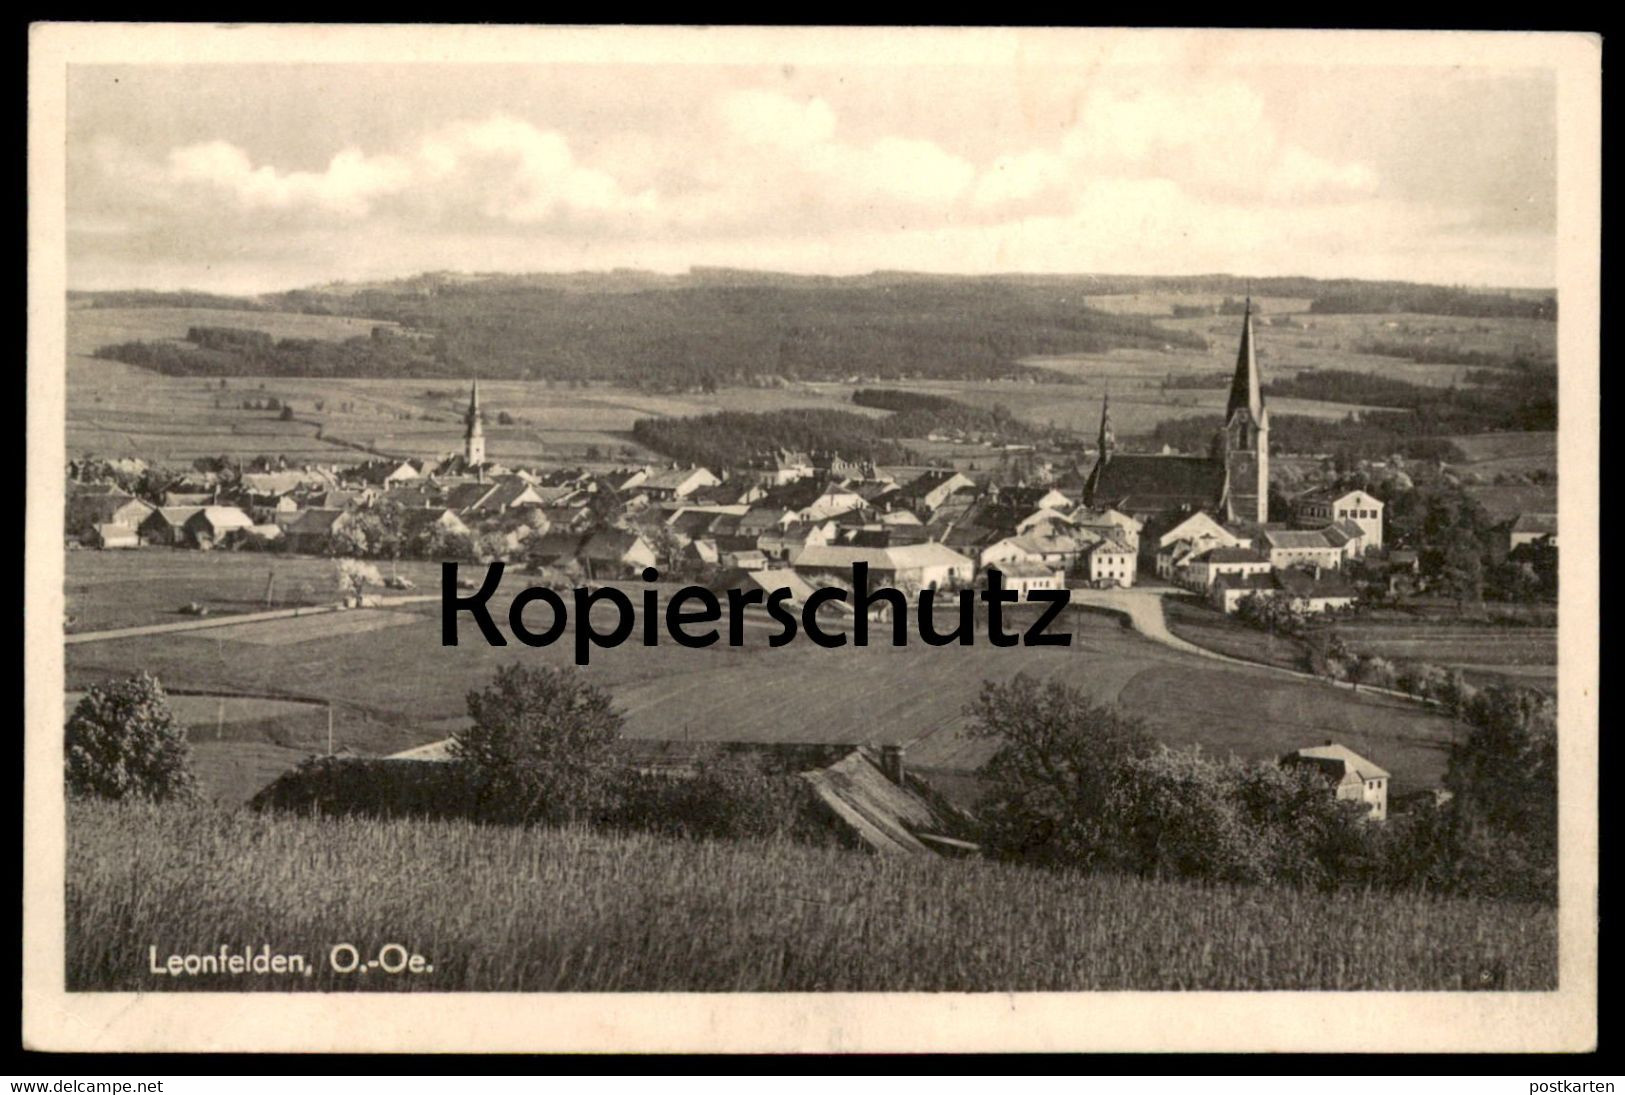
column 1244, row 444
column 474, row 432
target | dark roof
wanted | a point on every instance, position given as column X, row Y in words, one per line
column 1231, row 555
column 1544, row 524
column 609, row 545
column 1301, row 583
column 1145, row 483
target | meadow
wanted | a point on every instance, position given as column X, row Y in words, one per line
column 396, row 687
column 493, row 909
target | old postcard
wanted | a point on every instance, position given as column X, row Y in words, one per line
column 662, row 539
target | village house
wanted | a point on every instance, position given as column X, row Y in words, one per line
column 386, row 473
column 110, row 537
column 924, row 566
column 86, row 512
column 782, row 543
column 777, row 468
column 1302, row 547
column 166, row 525
column 1058, row 551
column 663, row 484
column 930, row 489
column 1023, row 576
column 1109, row 559
column 1353, row 777
column 1530, row 528
column 210, row 525
column 312, row 530
column 1324, row 506
column 1201, row 570
column 1108, row 521
column 1310, row 590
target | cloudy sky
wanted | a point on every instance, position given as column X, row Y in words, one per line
column 254, row 177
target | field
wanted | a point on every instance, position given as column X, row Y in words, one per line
column 1292, row 339
column 397, row 687
column 549, row 911
column 1199, row 623
column 1484, row 653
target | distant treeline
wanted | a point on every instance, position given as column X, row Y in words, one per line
column 1525, row 400
column 1417, row 425
column 1425, row 353
column 731, row 438
column 145, row 298
column 1373, row 436
column 918, row 414
column 234, row 351
column 1367, row 299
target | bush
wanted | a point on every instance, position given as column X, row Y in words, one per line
column 729, row 797
column 123, row 741
column 539, row 745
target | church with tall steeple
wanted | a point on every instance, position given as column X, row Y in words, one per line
column 1231, row 481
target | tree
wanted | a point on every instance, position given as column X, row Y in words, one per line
column 353, row 577
column 287, row 413
column 1059, row 756
column 540, row 745
column 123, row 742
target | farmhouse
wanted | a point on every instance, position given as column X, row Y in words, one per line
column 1106, row 521
column 210, row 525
column 109, row 537
column 1309, row 590
column 1354, row 778
column 925, row 566
column 664, row 484
column 1301, row 547
column 1201, row 570
column 1022, row 576
column 87, row 512
column 1531, row 528
column 166, row 525
column 1109, row 560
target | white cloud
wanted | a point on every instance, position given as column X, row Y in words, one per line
column 348, row 186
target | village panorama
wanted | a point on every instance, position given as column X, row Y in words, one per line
column 1310, row 639
column 888, row 520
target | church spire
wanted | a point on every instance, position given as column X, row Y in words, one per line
column 1244, row 388
column 1108, row 440
column 474, row 431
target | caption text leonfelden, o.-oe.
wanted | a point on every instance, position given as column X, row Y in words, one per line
column 694, row 606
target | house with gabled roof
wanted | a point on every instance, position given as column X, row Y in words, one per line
column 86, row 512
column 211, row 525
column 1353, row 777
column 166, row 525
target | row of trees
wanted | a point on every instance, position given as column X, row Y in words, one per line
column 1076, row 785
column 1083, row 785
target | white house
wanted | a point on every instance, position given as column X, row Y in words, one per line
column 1021, row 577
column 1353, row 777
column 1110, row 559
column 1329, row 505
column 1202, row 569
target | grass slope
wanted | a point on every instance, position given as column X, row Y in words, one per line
column 551, row 911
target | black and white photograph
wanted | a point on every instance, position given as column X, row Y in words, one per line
column 828, row 523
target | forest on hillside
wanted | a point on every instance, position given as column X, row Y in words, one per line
column 692, row 337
